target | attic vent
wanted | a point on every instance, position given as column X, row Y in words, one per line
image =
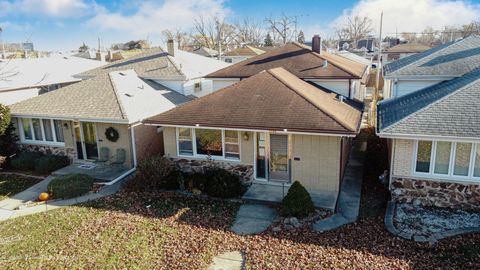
column 128, row 95
column 123, row 74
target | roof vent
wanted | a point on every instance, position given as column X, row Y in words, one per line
column 123, row 74
column 128, row 95
column 325, row 63
column 341, row 98
column 141, row 87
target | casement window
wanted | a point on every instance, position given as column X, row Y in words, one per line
column 41, row 131
column 208, row 143
column 449, row 160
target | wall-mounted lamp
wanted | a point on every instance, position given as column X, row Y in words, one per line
column 245, row 136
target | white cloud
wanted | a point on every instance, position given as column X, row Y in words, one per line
column 50, row 8
column 152, row 17
column 412, row 15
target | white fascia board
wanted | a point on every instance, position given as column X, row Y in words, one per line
column 70, row 118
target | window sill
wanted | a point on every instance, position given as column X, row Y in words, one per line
column 53, row 144
column 199, row 157
column 447, row 179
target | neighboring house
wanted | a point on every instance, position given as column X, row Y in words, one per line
column 21, row 79
column 77, row 120
column 242, row 53
column 434, row 138
column 330, row 71
column 271, row 128
column 178, row 70
column 403, row 50
column 431, row 67
column 207, row 52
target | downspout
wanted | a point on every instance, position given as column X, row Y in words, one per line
column 350, row 88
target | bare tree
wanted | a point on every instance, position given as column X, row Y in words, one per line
column 281, row 28
column 179, row 36
column 7, row 73
column 355, row 28
column 213, row 33
column 250, row 32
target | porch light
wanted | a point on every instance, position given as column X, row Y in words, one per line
column 245, row 136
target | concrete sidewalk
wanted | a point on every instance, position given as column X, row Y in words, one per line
column 349, row 198
column 6, row 213
column 253, row 219
column 30, row 194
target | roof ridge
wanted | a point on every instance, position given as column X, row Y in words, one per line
column 115, row 92
column 334, row 62
column 274, row 73
column 442, row 47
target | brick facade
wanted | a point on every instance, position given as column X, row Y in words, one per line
column 50, row 150
column 435, row 193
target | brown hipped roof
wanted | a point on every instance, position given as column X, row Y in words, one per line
column 271, row 100
column 297, row 59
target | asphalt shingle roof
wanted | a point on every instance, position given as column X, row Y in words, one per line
column 451, row 59
column 450, row 108
column 297, row 59
column 271, row 100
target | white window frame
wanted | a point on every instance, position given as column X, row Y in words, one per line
column 42, row 128
column 201, row 156
column 450, row 176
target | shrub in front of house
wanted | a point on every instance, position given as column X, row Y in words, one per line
column 155, row 173
column 50, row 163
column 25, row 161
column 222, row 183
column 70, row 186
column 297, row 203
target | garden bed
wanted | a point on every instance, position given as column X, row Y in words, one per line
column 427, row 221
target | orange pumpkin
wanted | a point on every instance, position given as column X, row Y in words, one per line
column 43, row 196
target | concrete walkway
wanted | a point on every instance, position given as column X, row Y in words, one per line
column 30, row 194
column 234, row 260
column 349, row 198
column 253, row 219
column 7, row 213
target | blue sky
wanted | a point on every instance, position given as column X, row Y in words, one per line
column 65, row 24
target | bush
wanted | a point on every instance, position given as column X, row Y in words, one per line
column 298, row 202
column 222, row 183
column 4, row 118
column 25, row 161
column 70, row 186
column 50, row 163
column 155, row 173
column 8, row 142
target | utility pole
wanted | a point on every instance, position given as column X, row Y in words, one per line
column 379, row 69
column 3, row 43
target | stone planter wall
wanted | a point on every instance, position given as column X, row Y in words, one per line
column 50, row 150
column 435, row 193
column 189, row 166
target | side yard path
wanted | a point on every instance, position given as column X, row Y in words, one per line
column 350, row 193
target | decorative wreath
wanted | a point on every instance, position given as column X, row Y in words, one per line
column 111, row 134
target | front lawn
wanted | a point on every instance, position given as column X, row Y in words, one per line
column 172, row 231
column 11, row 184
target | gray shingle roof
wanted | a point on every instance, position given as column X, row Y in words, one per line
column 450, row 108
column 153, row 62
column 451, row 59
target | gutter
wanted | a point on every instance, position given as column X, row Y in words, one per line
column 239, row 128
column 427, row 137
column 70, row 118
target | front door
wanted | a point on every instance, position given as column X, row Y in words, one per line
column 272, row 157
column 86, row 140
column 278, row 167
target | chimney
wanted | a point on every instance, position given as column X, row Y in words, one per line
column 98, row 56
column 170, row 47
column 316, row 44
